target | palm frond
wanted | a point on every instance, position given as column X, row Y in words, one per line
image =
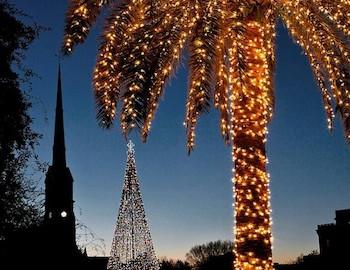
column 327, row 55
column 169, row 37
column 202, row 49
column 221, row 96
column 337, row 13
column 108, row 74
column 80, row 16
column 137, row 61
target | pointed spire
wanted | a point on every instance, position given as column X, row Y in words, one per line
column 59, row 150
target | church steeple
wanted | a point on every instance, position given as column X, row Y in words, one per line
column 59, row 150
column 59, row 203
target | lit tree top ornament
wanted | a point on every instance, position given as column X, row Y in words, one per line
column 132, row 247
column 231, row 60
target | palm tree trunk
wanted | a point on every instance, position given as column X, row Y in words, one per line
column 251, row 111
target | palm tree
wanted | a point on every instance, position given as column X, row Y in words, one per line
column 231, row 60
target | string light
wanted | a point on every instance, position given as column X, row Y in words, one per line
column 231, row 59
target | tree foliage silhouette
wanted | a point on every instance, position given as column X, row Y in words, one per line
column 166, row 264
column 211, row 255
column 18, row 192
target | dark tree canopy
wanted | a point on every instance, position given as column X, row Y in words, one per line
column 166, row 264
column 215, row 255
column 211, row 256
column 18, row 194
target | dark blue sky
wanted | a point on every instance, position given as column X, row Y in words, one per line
column 188, row 200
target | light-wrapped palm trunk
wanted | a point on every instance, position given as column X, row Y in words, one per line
column 251, row 111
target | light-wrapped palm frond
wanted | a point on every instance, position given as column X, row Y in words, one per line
column 156, row 39
column 137, row 68
column 202, row 49
column 337, row 12
column 80, row 16
column 328, row 52
column 317, row 64
column 151, row 59
column 221, row 97
column 169, row 37
column 124, row 20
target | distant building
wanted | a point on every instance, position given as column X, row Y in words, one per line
column 52, row 245
column 334, row 244
column 334, row 239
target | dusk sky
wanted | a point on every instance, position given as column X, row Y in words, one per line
column 188, row 199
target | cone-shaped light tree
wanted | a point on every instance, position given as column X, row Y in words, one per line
column 231, row 60
column 132, row 246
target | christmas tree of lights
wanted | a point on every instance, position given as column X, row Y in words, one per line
column 132, row 247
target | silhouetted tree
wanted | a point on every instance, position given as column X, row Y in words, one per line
column 18, row 193
column 211, row 256
column 301, row 257
column 87, row 239
column 166, row 264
